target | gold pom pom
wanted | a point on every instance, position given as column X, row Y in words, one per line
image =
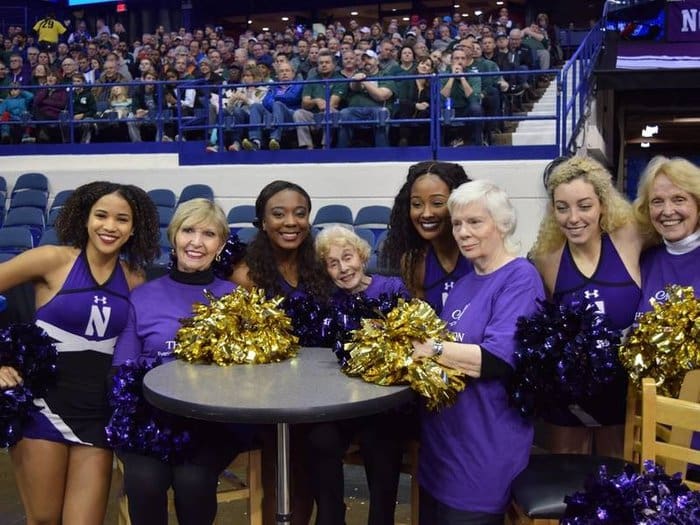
column 666, row 343
column 381, row 353
column 242, row 327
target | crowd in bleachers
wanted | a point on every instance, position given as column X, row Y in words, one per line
column 227, row 88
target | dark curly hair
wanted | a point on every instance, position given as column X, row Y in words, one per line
column 260, row 258
column 403, row 241
column 141, row 248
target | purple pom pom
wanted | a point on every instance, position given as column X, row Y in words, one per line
column 232, row 253
column 566, row 354
column 137, row 426
column 29, row 350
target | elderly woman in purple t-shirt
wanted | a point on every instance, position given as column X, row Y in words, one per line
column 471, row 452
column 344, row 255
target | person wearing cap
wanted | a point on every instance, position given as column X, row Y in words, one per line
column 313, row 100
column 464, row 91
column 367, row 98
column 279, row 104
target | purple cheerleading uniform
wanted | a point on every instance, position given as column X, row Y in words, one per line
column 84, row 318
column 437, row 282
column 381, row 284
column 154, row 317
column 614, row 293
column 472, row 451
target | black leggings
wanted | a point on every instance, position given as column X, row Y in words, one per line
column 194, row 482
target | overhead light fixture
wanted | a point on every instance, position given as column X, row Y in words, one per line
column 405, row 19
column 456, row 6
column 265, row 28
column 500, row 2
column 354, row 13
column 393, row 10
column 650, row 131
column 686, row 120
column 478, row 12
column 250, row 21
column 285, row 19
column 465, row 14
column 645, row 145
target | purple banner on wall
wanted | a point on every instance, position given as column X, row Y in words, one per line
column 683, row 21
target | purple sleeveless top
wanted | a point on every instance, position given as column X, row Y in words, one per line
column 84, row 318
column 614, row 292
column 610, row 288
column 437, row 282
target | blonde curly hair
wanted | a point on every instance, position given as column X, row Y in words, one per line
column 616, row 211
column 681, row 172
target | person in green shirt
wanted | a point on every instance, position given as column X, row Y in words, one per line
column 464, row 92
column 367, row 99
column 536, row 40
column 313, row 98
column 492, row 89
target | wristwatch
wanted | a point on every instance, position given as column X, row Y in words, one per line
column 437, row 347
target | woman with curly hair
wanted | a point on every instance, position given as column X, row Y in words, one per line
column 420, row 240
column 282, row 260
column 109, row 233
column 588, row 249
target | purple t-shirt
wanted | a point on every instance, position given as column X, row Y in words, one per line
column 154, row 317
column 437, row 282
column 384, row 284
column 660, row 268
column 471, row 452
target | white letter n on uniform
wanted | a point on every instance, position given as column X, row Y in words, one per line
column 99, row 319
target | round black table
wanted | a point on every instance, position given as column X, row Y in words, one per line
column 308, row 388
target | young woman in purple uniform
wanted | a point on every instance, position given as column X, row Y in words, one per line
column 588, row 249
column 110, row 232
column 420, row 241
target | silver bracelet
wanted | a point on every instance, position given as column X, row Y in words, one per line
column 438, row 347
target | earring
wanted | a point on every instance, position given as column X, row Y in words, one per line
column 218, row 257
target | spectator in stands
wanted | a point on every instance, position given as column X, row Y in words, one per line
column 502, row 21
column 62, row 52
column 217, row 65
column 101, row 28
column 43, row 58
column 4, row 80
column 39, row 75
column 182, row 100
column 84, row 107
column 519, row 57
column 313, row 99
column 48, row 104
column 349, row 64
column 280, row 103
column 464, row 92
column 492, row 89
column 16, row 72
column 536, row 40
column 445, row 39
column 407, row 60
column 367, row 99
column 32, row 57
column 80, row 35
column 421, row 50
column 48, row 29
column 146, row 105
column 414, row 102
column 68, row 67
column 110, row 75
column 14, row 108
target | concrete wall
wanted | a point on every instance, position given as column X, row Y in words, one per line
column 356, row 184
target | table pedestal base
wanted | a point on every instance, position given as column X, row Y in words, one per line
column 284, row 511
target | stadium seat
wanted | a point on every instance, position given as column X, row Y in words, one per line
column 164, row 259
column 163, row 197
column 165, row 215
column 3, row 186
column 381, row 239
column 60, row 198
column 247, row 234
column 367, row 235
column 49, row 237
column 194, row 191
column 333, row 214
column 31, row 181
column 32, row 218
column 29, row 198
column 373, row 217
column 241, row 216
column 15, row 239
column 51, row 217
